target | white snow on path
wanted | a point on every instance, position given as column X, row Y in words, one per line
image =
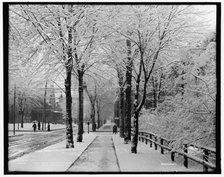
column 99, row 157
column 146, row 160
column 55, row 158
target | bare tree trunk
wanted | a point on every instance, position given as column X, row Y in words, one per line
column 182, row 87
column 121, row 111
column 93, row 118
column 22, row 109
column 136, row 116
column 69, row 131
column 68, row 67
column 98, row 105
column 127, row 125
column 22, row 116
column 80, row 123
column 154, row 84
column 135, row 137
column 92, row 99
column 159, row 89
column 98, row 119
column 121, row 101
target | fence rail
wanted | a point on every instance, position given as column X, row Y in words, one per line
column 164, row 143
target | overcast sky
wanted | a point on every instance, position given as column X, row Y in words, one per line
column 210, row 14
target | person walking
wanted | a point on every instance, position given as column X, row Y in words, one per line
column 48, row 127
column 34, row 126
column 115, row 129
column 38, row 125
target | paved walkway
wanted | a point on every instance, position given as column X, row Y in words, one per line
column 99, row 157
column 98, row 152
column 147, row 159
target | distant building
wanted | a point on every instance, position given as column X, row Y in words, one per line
column 53, row 110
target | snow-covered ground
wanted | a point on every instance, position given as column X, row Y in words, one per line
column 54, row 158
column 99, row 157
column 105, row 153
column 148, row 159
column 28, row 126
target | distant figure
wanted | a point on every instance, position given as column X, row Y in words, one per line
column 115, row 129
column 38, row 125
column 34, row 127
column 48, row 127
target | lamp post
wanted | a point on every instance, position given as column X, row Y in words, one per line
column 88, row 127
column 44, row 110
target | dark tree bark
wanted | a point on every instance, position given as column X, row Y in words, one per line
column 69, row 131
column 182, row 86
column 98, row 110
column 93, row 118
column 69, row 65
column 128, row 105
column 80, row 122
column 92, row 99
column 98, row 119
column 121, row 101
column 22, row 102
column 68, row 68
column 22, row 117
column 154, row 85
column 159, row 89
column 136, row 116
column 121, row 111
column 139, row 104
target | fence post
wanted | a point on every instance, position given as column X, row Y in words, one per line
column 205, row 158
column 150, row 137
column 146, row 140
column 172, row 156
column 185, row 157
column 155, row 143
column 161, row 142
column 139, row 137
column 142, row 137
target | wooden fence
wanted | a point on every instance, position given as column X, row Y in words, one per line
column 164, row 144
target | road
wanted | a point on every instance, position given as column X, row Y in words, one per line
column 32, row 141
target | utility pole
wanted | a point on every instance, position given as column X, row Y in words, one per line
column 45, row 93
column 17, row 116
column 14, row 117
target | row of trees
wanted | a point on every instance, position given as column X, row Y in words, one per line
column 130, row 46
column 156, row 38
column 188, row 111
column 60, row 40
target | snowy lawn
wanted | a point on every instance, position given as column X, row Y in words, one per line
column 148, row 159
column 28, row 126
column 54, row 158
